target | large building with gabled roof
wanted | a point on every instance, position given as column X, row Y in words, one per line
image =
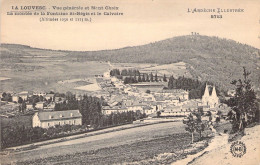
column 46, row 119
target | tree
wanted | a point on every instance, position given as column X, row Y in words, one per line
column 20, row 100
column 147, row 78
column 199, row 124
column 151, row 77
column 164, row 78
column 158, row 113
column 244, row 105
column 41, row 98
column 194, row 123
column 170, row 83
column 139, row 78
column 156, row 77
column 7, row 97
column 190, row 122
column 143, row 78
column 3, row 95
column 135, row 79
column 22, row 107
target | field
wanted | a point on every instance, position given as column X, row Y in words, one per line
column 27, row 69
column 135, row 152
column 39, row 75
column 175, row 69
column 127, row 145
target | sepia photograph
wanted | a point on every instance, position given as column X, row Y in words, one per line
column 131, row 82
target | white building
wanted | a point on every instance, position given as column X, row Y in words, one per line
column 49, row 119
column 208, row 99
column 39, row 105
column 150, row 109
column 109, row 110
column 29, row 107
column 15, row 98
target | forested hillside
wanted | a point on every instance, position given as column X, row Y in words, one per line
column 207, row 58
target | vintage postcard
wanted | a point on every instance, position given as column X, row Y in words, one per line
column 130, row 82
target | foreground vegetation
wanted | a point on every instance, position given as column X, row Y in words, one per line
column 129, row 153
column 245, row 107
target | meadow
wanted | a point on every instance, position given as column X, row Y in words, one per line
column 41, row 75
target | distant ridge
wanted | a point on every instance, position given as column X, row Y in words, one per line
column 207, row 58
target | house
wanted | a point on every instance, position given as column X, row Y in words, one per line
column 29, row 107
column 149, row 109
column 109, row 110
column 39, row 105
column 46, row 119
column 49, row 97
column 24, row 96
column 15, row 98
column 39, row 93
column 50, row 106
column 135, row 107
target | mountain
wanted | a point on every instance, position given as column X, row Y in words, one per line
column 207, row 58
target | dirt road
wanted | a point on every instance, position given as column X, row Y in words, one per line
column 219, row 152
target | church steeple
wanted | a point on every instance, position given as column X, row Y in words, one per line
column 206, row 92
column 214, row 93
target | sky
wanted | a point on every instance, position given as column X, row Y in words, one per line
column 143, row 22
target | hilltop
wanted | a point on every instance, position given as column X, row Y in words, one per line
column 207, row 58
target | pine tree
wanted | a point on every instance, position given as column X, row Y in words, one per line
column 190, row 122
column 244, row 106
column 164, row 78
column 139, row 78
column 147, row 78
column 135, row 79
column 143, row 78
column 151, row 77
column 170, row 83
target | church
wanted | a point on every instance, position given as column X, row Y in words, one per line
column 210, row 100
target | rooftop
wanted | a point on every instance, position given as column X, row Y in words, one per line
column 57, row 115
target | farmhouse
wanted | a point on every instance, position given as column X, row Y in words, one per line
column 48, row 119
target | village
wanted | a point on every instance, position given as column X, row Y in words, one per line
column 149, row 98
